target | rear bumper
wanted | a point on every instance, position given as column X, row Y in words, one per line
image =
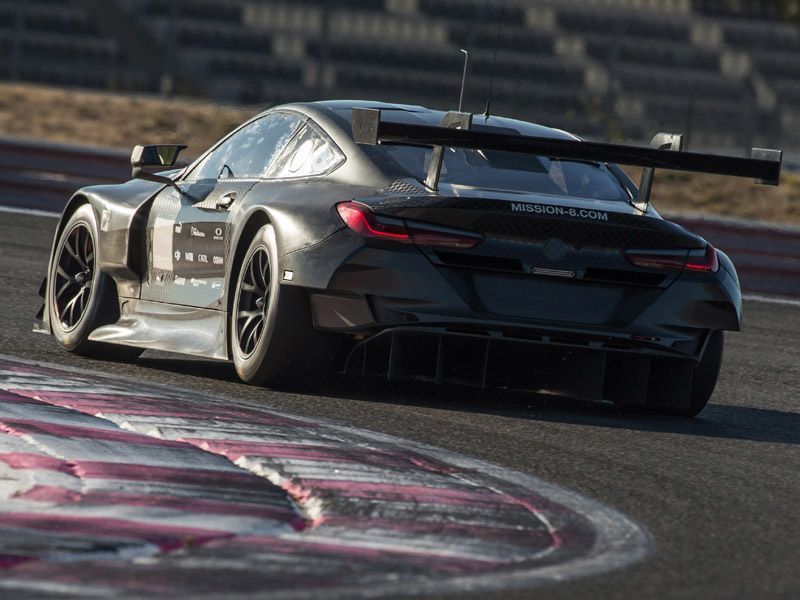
column 373, row 288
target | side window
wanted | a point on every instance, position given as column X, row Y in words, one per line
column 248, row 152
column 309, row 153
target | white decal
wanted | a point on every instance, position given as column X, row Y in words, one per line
column 203, row 258
column 180, row 280
column 197, row 233
column 189, row 256
column 177, row 255
column 162, row 244
column 178, row 227
column 218, row 234
column 218, row 260
column 559, row 211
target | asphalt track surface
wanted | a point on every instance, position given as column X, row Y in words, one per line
column 719, row 493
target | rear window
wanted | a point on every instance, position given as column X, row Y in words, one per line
column 513, row 172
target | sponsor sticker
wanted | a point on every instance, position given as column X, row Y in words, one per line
column 559, row 211
column 162, row 244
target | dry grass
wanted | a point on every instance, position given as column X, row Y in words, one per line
column 727, row 196
column 120, row 121
column 112, row 120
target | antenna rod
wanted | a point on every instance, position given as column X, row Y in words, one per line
column 463, row 79
column 494, row 64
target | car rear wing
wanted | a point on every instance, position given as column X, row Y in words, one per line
column 456, row 132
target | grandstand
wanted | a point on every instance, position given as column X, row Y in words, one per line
column 726, row 72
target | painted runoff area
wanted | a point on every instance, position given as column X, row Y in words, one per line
column 117, row 489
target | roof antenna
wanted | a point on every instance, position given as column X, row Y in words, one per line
column 463, row 79
column 494, row 64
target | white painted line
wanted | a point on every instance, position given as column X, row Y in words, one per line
column 29, row 211
column 771, row 300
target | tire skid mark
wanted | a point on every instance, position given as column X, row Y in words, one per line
column 377, row 509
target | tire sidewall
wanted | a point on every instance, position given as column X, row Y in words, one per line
column 255, row 367
column 708, row 369
column 74, row 337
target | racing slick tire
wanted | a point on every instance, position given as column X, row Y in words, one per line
column 706, row 374
column 704, row 380
column 80, row 298
column 272, row 339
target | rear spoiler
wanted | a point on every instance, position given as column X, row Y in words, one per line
column 455, row 132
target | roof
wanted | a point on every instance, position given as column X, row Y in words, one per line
column 409, row 113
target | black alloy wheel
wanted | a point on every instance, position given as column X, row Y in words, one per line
column 74, row 275
column 252, row 302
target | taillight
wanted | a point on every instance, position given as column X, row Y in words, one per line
column 364, row 222
column 707, row 262
column 360, row 219
column 698, row 261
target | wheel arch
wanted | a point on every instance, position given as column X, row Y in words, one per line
column 78, row 199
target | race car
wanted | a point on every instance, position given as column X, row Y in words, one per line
column 407, row 243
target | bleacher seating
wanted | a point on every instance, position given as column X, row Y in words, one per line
column 728, row 70
column 743, row 9
column 759, row 36
column 627, row 25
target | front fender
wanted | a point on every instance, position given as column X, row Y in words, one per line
column 116, row 208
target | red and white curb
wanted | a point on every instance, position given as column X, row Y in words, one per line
column 118, row 489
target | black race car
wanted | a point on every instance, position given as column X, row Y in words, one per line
column 409, row 243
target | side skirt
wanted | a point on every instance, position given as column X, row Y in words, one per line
column 169, row 327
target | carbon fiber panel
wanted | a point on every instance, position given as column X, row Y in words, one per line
column 406, row 187
column 188, row 245
column 503, row 219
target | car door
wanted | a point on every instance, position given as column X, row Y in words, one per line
column 188, row 233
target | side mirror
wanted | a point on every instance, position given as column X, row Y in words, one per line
column 162, row 155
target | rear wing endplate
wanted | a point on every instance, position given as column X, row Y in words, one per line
column 764, row 165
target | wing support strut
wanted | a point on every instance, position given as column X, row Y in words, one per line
column 661, row 141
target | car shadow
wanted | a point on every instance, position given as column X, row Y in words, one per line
column 718, row 420
column 207, row 369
